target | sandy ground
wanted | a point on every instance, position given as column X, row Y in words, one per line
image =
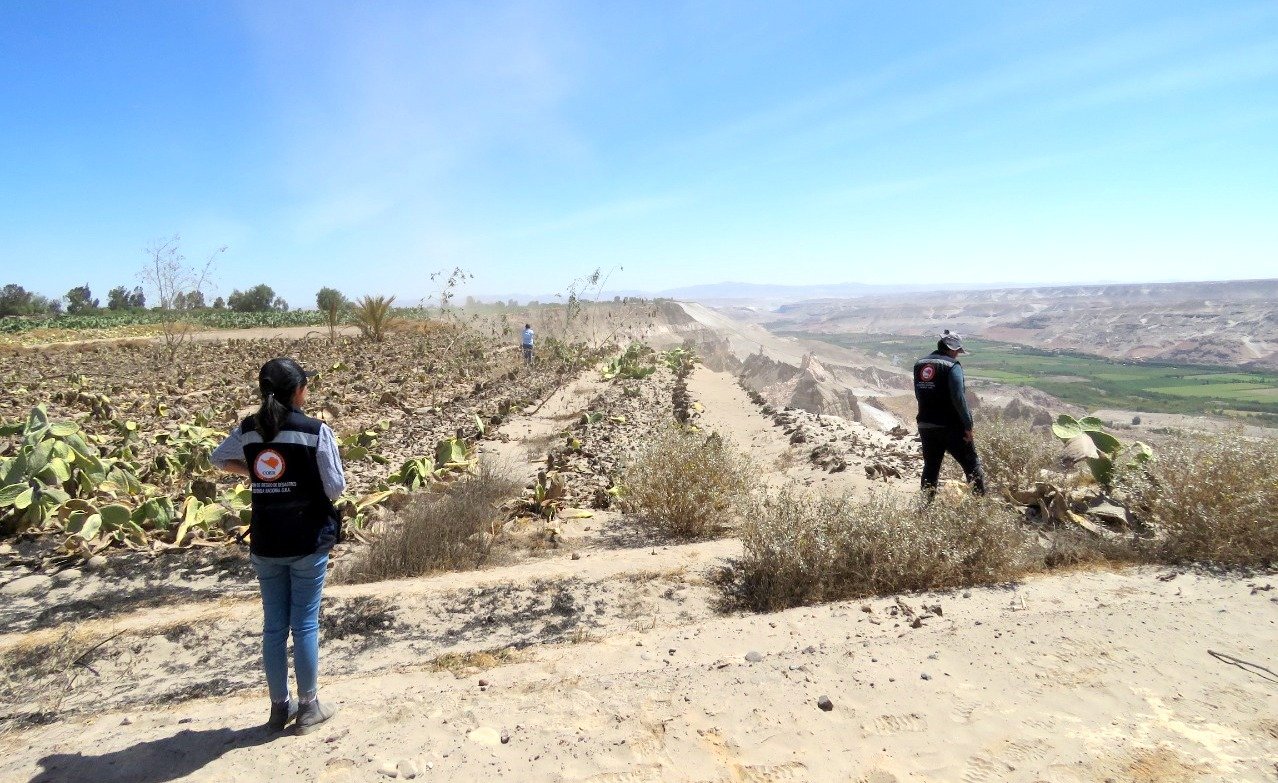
column 630, row 670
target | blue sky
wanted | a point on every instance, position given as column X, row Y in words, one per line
column 365, row 145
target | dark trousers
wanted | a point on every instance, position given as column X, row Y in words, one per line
column 937, row 442
column 527, row 354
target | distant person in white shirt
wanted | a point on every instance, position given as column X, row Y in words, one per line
column 527, row 343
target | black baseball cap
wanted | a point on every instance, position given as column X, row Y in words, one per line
column 282, row 375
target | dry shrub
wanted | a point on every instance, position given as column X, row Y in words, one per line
column 1079, row 549
column 460, row 664
column 1210, row 499
column 687, row 485
column 801, row 548
column 453, row 531
column 1013, row 453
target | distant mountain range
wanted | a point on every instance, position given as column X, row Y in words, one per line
column 769, row 294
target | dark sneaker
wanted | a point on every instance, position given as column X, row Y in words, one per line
column 311, row 714
column 281, row 714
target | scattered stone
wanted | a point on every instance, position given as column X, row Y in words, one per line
column 505, row 737
column 483, row 683
column 925, row 676
column 810, row 649
column 576, row 555
column 917, row 622
column 27, row 584
column 186, row 720
column 389, row 769
column 967, row 593
column 407, row 769
column 485, row 735
column 1108, row 512
column 95, row 563
column 127, row 720
column 68, row 576
column 824, row 703
column 754, row 656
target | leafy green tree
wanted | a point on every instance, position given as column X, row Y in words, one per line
column 118, row 298
column 15, row 300
column 80, row 300
column 258, row 299
column 219, row 304
column 330, row 299
column 331, row 303
column 121, row 298
column 42, row 304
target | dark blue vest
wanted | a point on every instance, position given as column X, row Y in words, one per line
column 291, row 514
column 932, row 390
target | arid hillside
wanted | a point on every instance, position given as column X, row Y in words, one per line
column 1221, row 323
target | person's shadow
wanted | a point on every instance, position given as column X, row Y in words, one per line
column 154, row 761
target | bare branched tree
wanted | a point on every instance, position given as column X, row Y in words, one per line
column 175, row 283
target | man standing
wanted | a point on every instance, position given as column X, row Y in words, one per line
column 945, row 423
column 527, row 343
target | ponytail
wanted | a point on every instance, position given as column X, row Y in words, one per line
column 278, row 381
column 270, row 417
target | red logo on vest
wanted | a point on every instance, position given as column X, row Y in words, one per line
column 927, row 373
column 268, row 466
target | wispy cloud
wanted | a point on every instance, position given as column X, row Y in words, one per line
column 936, row 86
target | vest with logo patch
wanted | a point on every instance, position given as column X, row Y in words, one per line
column 291, row 514
column 932, row 390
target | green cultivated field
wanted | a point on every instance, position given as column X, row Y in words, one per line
column 1090, row 381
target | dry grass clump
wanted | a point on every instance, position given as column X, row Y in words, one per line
column 461, row 664
column 1013, row 453
column 687, row 485
column 801, row 548
column 1210, row 499
column 453, row 531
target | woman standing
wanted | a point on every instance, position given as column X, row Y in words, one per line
column 296, row 474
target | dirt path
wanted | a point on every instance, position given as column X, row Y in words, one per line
column 729, row 411
column 530, row 431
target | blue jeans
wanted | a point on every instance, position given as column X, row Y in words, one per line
column 291, row 591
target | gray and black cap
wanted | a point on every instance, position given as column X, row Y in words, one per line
column 953, row 341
